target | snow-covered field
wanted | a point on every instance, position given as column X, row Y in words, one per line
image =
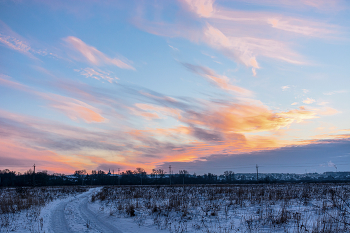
column 197, row 208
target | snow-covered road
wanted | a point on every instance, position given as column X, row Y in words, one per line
column 74, row 215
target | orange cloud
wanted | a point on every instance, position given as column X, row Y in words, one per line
column 309, row 101
column 243, row 118
column 93, row 55
column 22, row 158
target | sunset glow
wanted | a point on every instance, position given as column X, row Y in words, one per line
column 201, row 85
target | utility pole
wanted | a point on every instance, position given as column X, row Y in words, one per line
column 169, row 174
column 34, row 175
column 118, row 176
column 113, row 177
column 257, row 173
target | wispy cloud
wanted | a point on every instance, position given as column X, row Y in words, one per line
column 247, row 117
column 175, row 49
column 323, row 5
column 285, row 87
column 204, row 128
column 335, row 92
column 15, row 44
column 97, row 74
column 162, row 110
column 73, row 108
column 241, row 35
column 13, row 41
column 303, row 27
column 203, row 8
column 94, row 56
column 221, row 81
column 328, row 111
column 309, row 101
column 245, row 49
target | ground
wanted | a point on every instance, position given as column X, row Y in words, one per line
column 197, row 208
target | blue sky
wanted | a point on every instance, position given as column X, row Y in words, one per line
column 125, row 84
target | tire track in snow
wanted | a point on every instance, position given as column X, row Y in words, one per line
column 94, row 219
column 58, row 219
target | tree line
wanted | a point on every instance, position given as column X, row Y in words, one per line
column 137, row 177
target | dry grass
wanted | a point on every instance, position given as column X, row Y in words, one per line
column 232, row 208
column 15, row 200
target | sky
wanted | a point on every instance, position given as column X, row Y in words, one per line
column 201, row 85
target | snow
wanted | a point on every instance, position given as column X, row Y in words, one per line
column 265, row 208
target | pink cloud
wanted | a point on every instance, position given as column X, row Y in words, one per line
column 204, row 8
column 219, row 16
column 245, row 49
column 303, row 27
column 162, row 110
column 222, row 25
column 150, row 112
column 328, row 111
column 321, row 5
column 221, row 81
column 14, row 41
column 73, row 108
column 97, row 74
column 144, row 114
column 94, row 56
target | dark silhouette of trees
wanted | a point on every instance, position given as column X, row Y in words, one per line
column 140, row 177
column 229, row 176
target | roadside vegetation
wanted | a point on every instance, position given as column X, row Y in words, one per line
column 233, row 208
column 29, row 200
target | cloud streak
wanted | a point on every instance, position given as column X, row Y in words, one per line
column 13, row 41
column 97, row 74
column 73, row 108
column 94, row 56
column 218, row 80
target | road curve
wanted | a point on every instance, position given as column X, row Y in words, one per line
column 94, row 222
column 58, row 222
